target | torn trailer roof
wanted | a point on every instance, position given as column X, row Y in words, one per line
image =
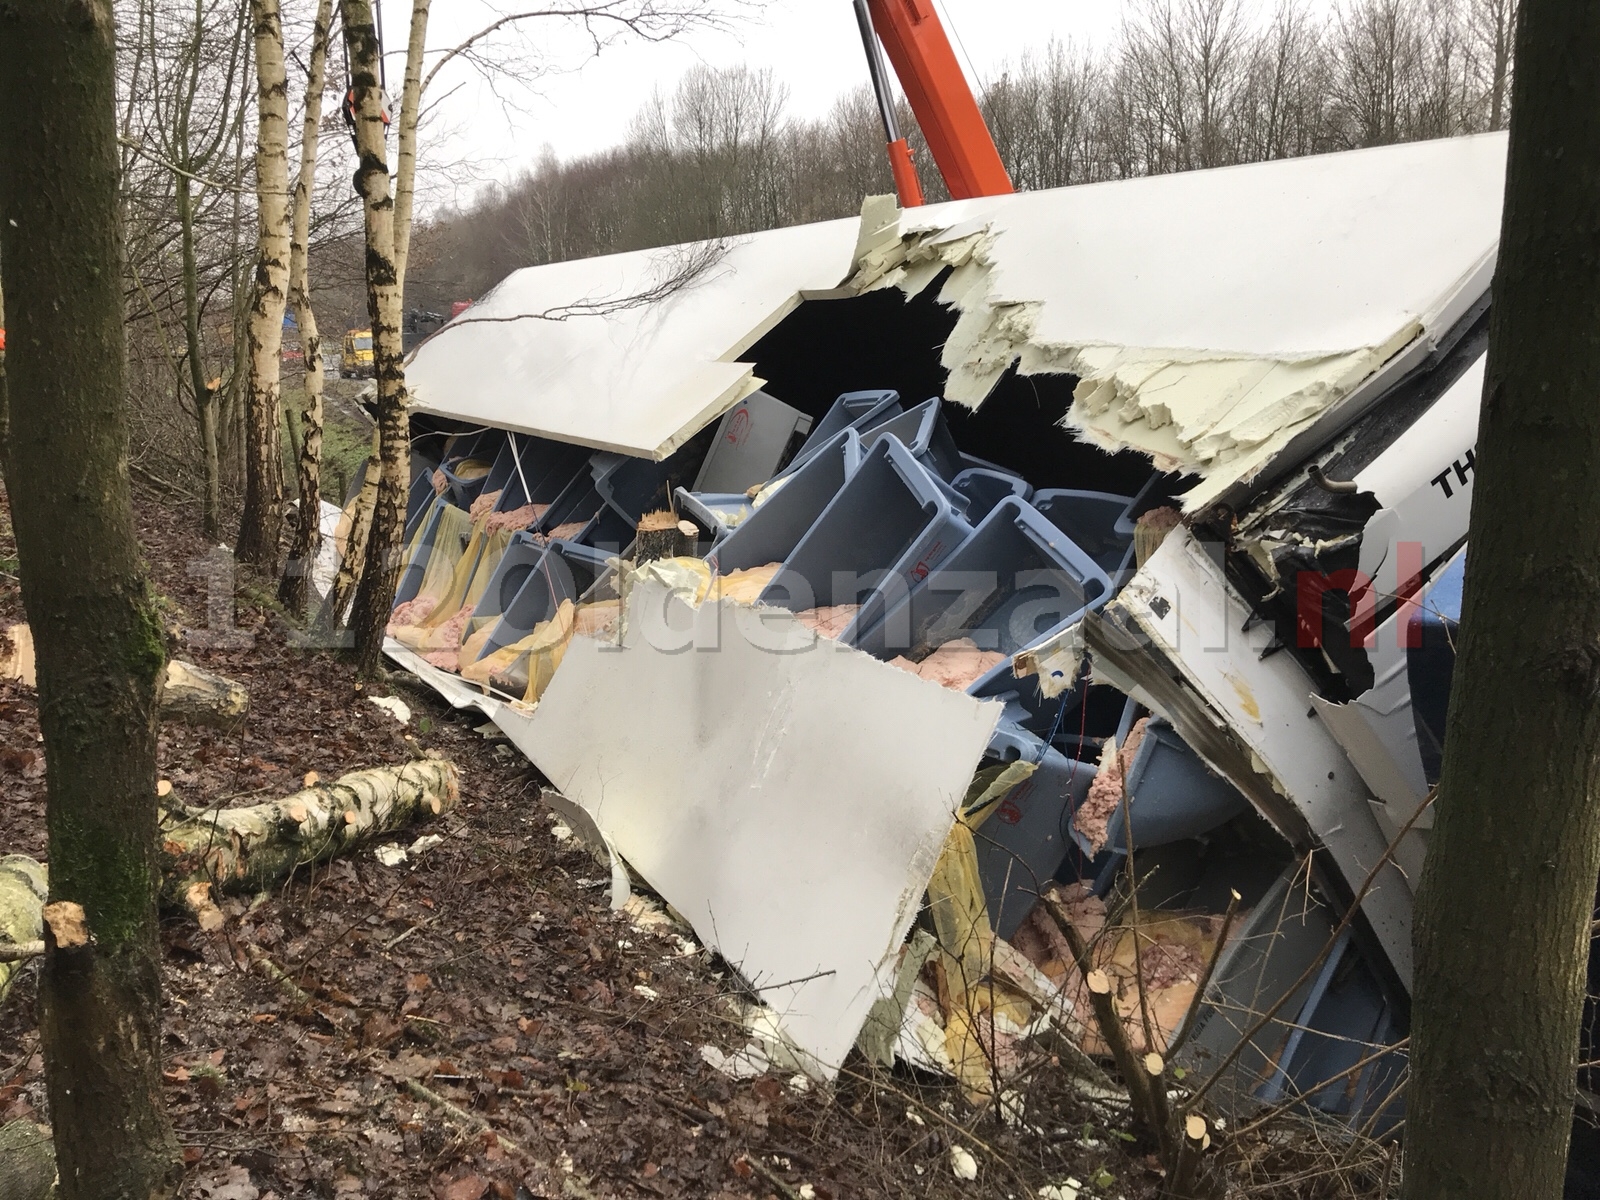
column 867, row 582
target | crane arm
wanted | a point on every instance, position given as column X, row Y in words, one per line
column 917, row 45
column 906, row 183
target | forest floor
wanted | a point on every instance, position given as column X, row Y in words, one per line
column 491, row 971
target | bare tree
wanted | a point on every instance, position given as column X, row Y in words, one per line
column 1491, row 26
column 98, row 639
column 1285, row 100
column 262, row 520
column 185, row 101
column 1042, row 114
column 1393, row 63
column 375, row 591
column 1185, row 64
column 1505, row 908
column 295, row 585
column 405, row 180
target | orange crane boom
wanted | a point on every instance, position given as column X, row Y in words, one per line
column 919, row 49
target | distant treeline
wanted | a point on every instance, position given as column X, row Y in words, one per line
column 1187, row 84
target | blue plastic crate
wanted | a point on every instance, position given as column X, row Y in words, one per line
column 565, row 571
column 886, row 528
column 772, row 531
column 1172, row 794
column 984, row 488
column 853, row 410
column 1024, row 843
column 1094, row 521
column 923, row 431
column 1014, row 581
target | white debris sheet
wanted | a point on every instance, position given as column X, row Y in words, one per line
column 788, row 795
column 633, row 352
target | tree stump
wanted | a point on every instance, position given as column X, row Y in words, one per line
column 662, row 535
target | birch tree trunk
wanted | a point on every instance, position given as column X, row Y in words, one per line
column 405, row 178
column 296, row 583
column 233, row 398
column 263, row 489
column 1506, row 902
column 375, row 592
column 96, row 633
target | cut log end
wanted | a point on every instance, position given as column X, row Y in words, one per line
column 1099, row 982
column 197, row 898
column 1153, row 1064
column 200, row 697
column 1194, row 1125
column 67, row 923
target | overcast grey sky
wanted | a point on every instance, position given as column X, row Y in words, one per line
column 586, row 103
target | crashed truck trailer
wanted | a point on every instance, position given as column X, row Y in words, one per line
column 1009, row 537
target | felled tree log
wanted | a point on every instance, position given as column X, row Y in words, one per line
column 244, row 849
column 27, row 1162
column 188, row 693
column 200, row 697
column 23, row 887
column 250, row 849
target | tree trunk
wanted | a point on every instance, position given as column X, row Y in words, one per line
column 296, row 583
column 252, row 849
column 205, row 405
column 1507, row 893
column 5, row 412
column 96, row 634
column 375, row 592
column 263, row 486
column 405, row 175
column 662, row 535
column 231, row 400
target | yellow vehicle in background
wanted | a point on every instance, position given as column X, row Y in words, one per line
column 356, row 359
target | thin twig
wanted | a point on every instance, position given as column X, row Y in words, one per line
column 1134, row 1075
column 1191, row 1017
column 1311, row 968
column 772, row 1177
column 460, row 1115
column 275, row 973
column 692, row 265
